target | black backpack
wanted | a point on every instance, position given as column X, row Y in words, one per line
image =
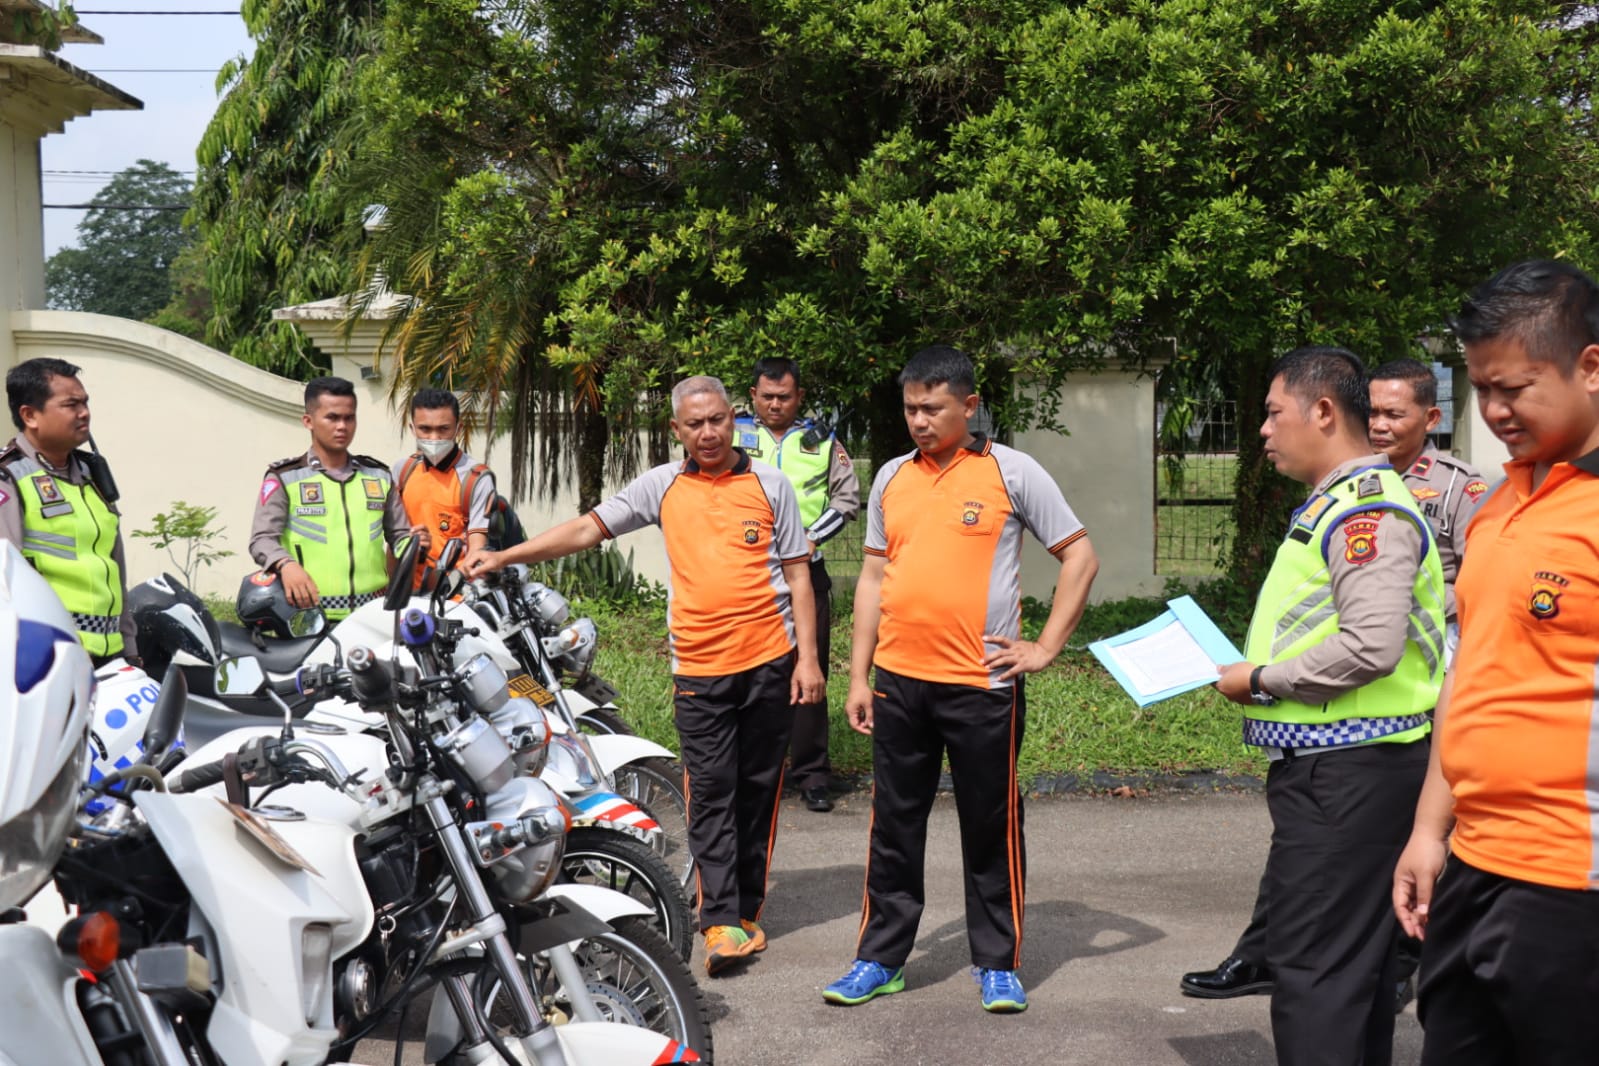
column 505, row 529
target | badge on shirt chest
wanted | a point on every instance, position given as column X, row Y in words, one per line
column 310, row 492
column 752, row 532
column 374, row 490
column 971, row 513
column 1544, row 603
column 49, row 491
column 751, row 443
column 1424, row 493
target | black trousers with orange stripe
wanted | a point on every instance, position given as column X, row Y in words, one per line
column 734, row 734
column 913, row 724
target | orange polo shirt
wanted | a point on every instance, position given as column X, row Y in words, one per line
column 953, row 541
column 1519, row 743
column 727, row 538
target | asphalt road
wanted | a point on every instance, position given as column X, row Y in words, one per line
column 1123, row 896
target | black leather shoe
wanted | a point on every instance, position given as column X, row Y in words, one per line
column 817, row 799
column 1234, row 977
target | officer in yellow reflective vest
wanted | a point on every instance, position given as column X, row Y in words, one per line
column 1345, row 659
column 58, row 504
column 829, row 495
column 327, row 522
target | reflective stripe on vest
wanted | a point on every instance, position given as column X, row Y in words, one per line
column 806, row 470
column 68, row 534
column 1295, row 612
column 335, row 531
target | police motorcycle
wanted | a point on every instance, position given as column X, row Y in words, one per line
column 615, row 842
column 460, row 844
column 195, row 941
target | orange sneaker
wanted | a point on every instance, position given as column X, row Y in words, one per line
column 725, row 945
column 756, row 934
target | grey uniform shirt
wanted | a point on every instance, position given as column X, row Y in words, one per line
column 1448, row 491
column 1372, row 598
column 74, row 474
column 272, row 513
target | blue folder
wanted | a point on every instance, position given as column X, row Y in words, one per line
column 1182, row 611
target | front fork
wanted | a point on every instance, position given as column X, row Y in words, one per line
column 536, row 1036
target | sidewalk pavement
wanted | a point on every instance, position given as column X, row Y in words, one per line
column 1124, row 895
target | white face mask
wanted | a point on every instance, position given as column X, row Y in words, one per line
column 434, row 450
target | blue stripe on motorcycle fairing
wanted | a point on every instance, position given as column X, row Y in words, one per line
column 594, row 799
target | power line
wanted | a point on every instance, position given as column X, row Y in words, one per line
column 115, row 207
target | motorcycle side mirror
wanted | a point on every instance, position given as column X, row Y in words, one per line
column 449, row 584
column 167, row 717
column 398, row 594
column 308, row 623
column 451, row 555
column 240, row 677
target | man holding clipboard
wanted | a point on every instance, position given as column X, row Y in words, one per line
column 1344, row 659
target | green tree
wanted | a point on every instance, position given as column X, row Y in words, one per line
column 127, row 245
column 274, row 227
column 186, row 534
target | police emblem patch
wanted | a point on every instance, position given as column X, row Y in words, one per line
column 261, row 577
column 1544, row 603
column 374, row 489
column 49, row 491
column 310, row 492
column 971, row 511
column 1424, row 493
column 751, row 536
column 1360, row 537
column 1475, row 489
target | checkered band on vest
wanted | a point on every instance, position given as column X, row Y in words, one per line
column 347, row 603
column 1328, row 735
column 99, row 624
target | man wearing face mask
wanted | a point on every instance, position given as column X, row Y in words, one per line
column 447, row 494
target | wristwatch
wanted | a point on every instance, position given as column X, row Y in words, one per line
column 1256, row 693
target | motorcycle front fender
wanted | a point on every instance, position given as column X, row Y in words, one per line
column 619, row 1045
column 39, row 1016
column 603, row 903
column 613, row 750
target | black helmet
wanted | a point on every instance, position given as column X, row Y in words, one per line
column 264, row 605
column 171, row 620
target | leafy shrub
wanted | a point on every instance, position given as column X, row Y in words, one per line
column 603, row 574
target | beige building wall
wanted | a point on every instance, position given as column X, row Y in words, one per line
column 1106, row 468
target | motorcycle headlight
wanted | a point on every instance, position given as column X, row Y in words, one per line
column 484, row 685
column 31, row 840
column 548, row 606
column 526, row 732
column 574, row 646
column 528, row 871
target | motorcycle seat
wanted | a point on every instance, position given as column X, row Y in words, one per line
column 277, row 655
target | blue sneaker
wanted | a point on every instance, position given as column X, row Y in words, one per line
column 1002, row 991
column 864, row 980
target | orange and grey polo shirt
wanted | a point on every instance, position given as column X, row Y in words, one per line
column 432, row 496
column 727, row 538
column 1519, row 742
column 953, row 541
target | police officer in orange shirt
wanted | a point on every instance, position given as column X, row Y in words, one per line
column 447, row 494
column 1510, row 931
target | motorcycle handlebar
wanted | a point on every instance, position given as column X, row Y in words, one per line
column 193, row 780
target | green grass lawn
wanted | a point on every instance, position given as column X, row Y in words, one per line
column 1078, row 718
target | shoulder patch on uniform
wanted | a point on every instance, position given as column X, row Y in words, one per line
column 268, row 487
column 5, row 497
column 1360, row 536
column 1475, row 489
column 1311, row 513
column 1370, row 485
column 1421, row 466
column 284, row 464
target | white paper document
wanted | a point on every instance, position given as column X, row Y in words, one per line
column 1166, row 659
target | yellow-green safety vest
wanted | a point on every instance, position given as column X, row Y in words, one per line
column 335, row 531
column 805, row 467
column 68, row 534
column 1295, row 612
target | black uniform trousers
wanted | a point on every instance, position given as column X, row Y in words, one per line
column 1339, row 821
column 807, row 755
column 1510, row 973
column 913, row 723
column 1251, row 946
column 733, row 732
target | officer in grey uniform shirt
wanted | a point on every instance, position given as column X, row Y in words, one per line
column 1404, row 410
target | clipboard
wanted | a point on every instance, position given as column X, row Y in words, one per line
column 1175, row 652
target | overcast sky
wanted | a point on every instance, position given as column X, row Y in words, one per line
column 177, row 106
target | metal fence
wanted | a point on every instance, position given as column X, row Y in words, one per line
column 1194, row 494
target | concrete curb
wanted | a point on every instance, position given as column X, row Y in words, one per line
column 1098, row 782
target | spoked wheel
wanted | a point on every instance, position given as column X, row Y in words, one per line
column 636, row 978
column 611, row 859
column 656, row 785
